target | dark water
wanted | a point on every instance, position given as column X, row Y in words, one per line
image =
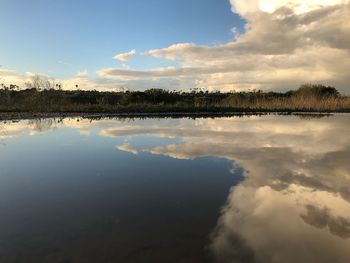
column 240, row 189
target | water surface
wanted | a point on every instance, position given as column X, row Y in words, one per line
column 239, row 189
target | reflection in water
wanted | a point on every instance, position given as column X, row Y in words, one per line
column 293, row 204
column 32, row 127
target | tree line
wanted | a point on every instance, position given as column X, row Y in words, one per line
column 48, row 96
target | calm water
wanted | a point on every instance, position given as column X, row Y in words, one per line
column 240, row 189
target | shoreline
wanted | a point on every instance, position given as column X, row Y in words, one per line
column 13, row 116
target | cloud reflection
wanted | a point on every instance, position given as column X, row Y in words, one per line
column 293, row 205
column 31, row 127
column 127, row 148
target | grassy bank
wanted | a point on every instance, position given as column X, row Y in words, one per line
column 308, row 98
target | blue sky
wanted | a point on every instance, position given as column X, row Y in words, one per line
column 60, row 38
column 179, row 44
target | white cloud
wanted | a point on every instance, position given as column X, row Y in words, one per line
column 82, row 79
column 82, row 74
column 84, row 82
column 293, row 43
column 298, row 6
column 8, row 76
column 125, row 56
column 286, row 43
column 172, row 52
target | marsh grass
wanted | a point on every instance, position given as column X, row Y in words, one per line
column 308, row 98
column 292, row 104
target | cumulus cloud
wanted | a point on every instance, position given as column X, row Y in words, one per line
column 285, row 44
column 298, row 6
column 125, row 56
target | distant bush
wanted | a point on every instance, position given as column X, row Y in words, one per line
column 316, row 91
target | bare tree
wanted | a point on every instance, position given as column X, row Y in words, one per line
column 41, row 83
column 49, row 83
column 34, row 83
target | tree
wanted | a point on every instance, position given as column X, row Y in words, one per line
column 41, row 83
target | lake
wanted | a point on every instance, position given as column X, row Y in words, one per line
column 266, row 188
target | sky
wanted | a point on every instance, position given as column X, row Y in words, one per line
column 177, row 45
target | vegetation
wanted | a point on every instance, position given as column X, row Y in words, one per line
column 49, row 97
